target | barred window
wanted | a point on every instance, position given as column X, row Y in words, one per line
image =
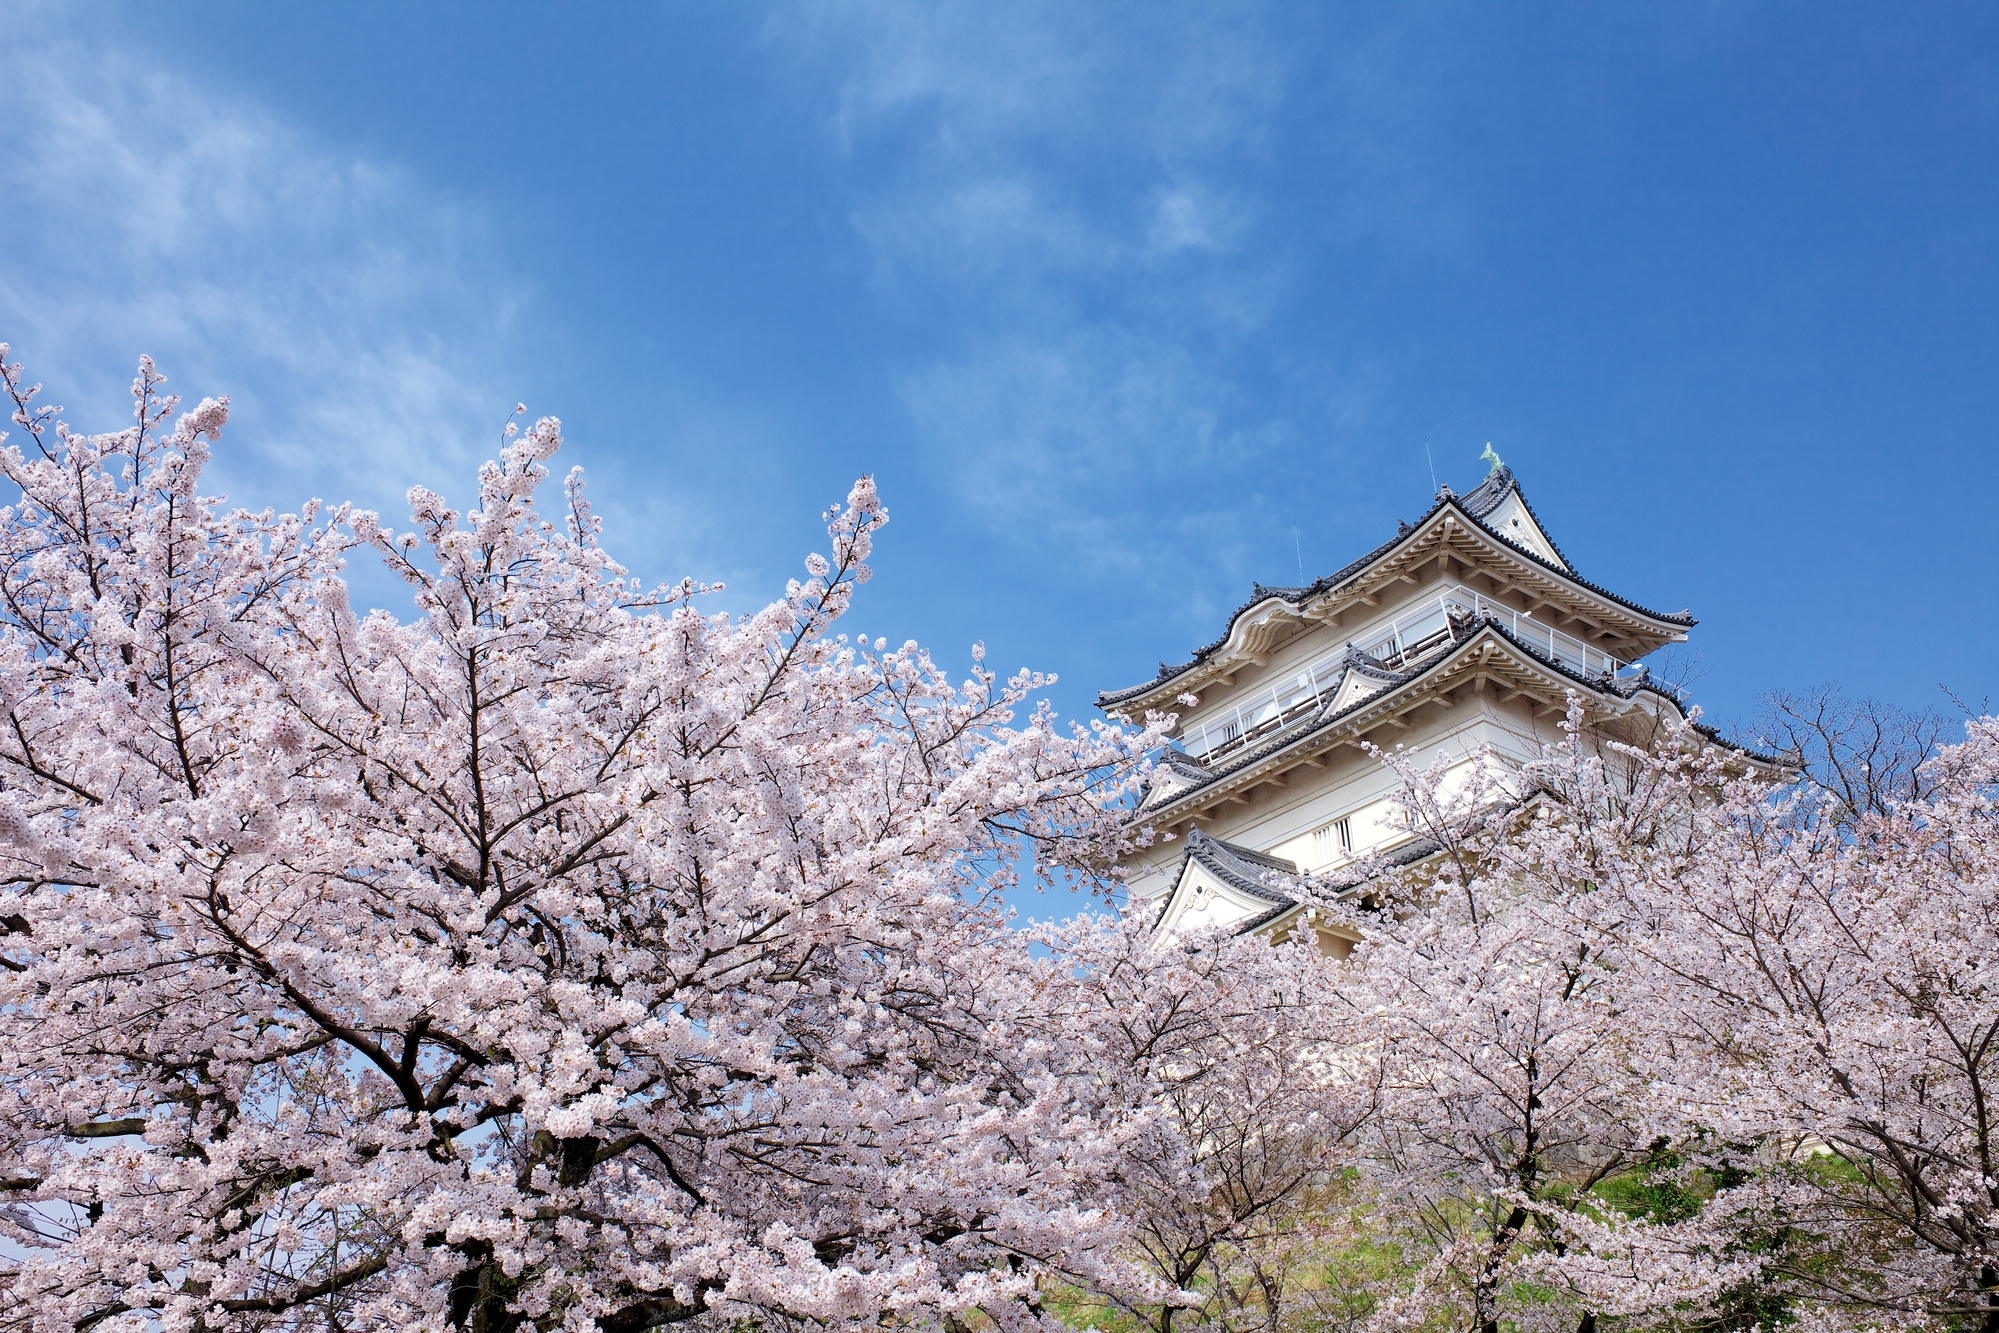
column 1334, row 840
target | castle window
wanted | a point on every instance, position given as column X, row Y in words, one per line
column 1332, row 841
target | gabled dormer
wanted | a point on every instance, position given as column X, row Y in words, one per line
column 1221, row 884
column 1513, row 521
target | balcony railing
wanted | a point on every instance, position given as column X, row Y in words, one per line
column 1433, row 624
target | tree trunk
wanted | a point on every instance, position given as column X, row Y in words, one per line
column 1485, row 1296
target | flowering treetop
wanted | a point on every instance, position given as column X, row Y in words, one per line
column 562, row 955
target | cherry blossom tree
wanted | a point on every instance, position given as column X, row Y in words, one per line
column 562, row 957
column 1668, row 950
column 1244, row 1050
column 1817, row 980
column 1502, row 1042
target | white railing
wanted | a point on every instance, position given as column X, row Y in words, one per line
column 1408, row 638
column 1582, row 658
column 1267, row 710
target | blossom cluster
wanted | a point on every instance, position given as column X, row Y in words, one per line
column 1660, row 1034
column 560, row 956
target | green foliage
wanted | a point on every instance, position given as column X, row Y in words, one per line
column 1672, row 1185
column 1326, row 1272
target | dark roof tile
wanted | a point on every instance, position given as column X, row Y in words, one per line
column 1347, row 878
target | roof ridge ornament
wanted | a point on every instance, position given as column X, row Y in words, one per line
column 1490, row 457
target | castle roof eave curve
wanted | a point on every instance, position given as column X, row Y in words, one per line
column 1353, row 878
column 1317, row 723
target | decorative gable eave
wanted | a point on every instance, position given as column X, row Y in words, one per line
column 1257, row 631
column 1487, row 657
column 1238, row 867
column 1452, row 530
column 1233, row 875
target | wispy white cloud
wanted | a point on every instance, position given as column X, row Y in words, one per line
column 1042, row 142
column 354, row 315
column 1187, row 217
column 1093, row 214
column 1074, row 194
column 1038, row 427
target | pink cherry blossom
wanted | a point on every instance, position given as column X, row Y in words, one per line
column 1630, row 948
column 563, row 956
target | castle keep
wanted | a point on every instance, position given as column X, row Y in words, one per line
column 1465, row 631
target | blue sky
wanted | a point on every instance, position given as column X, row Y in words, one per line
column 1109, row 297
